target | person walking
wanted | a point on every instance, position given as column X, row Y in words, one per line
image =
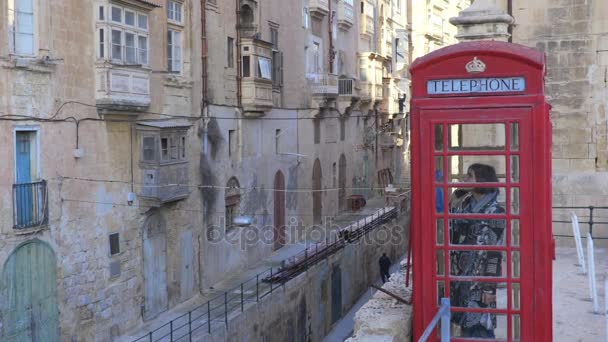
column 385, row 264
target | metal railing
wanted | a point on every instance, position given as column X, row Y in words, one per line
column 444, row 315
column 345, row 86
column 30, row 207
column 589, row 213
column 214, row 314
column 323, row 84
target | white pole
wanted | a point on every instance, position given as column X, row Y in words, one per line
column 606, row 304
column 578, row 242
column 592, row 285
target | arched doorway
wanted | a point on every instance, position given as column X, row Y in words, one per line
column 342, row 182
column 279, row 210
column 317, row 204
column 28, row 294
column 155, row 265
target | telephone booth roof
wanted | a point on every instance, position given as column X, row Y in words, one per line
column 499, row 59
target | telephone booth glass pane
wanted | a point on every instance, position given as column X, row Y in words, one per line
column 458, row 167
column 439, row 234
column 480, row 259
column 514, row 137
column 438, row 137
column 515, row 169
column 476, row 137
column 515, row 233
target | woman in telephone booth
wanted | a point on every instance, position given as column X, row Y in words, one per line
column 481, row 142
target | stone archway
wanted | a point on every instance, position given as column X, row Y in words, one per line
column 317, row 198
column 28, row 294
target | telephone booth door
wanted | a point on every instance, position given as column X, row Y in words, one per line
column 479, row 210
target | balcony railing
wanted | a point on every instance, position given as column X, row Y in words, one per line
column 323, row 84
column 345, row 86
column 30, row 205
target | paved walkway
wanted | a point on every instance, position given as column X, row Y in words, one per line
column 573, row 319
column 231, row 286
column 343, row 329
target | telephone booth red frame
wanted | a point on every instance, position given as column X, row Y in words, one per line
column 470, row 85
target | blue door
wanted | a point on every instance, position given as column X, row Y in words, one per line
column 24, row 188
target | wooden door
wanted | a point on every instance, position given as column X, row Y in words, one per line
column 28, row 300
column 342, row 182
column 317, row 204
column 279, row 210
column 155, row 269
column 187, row 278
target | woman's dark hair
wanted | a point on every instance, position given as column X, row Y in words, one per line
column 484, row 174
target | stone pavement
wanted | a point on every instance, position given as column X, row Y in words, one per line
column 381, row 319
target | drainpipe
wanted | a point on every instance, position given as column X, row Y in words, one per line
column 204, row 55
column 510, row 27
column 331, row 39
column 238, row 54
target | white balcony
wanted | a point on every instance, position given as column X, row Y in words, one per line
column 318, row 8
column 346, row 15
column 323, row 84
column 122, row 89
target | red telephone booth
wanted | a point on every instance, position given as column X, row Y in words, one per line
column 481, row 192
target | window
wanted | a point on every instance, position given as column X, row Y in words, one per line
column 363, row 70
column 174, row 11
column 246, row 67
column 128, row 34
column 277, row 140
column 21, row 26
column 274, row 37
column 174, row 51
column 114, row 244
column 334, row 26
column 129, row 18
column 316, row 51
column 232, row 199
column 149, row 153
column 305, row 18
column 230, row 52
column 172, row 148
column 277, row 68
column 342, row 129
column 102, row 45
column 264, row 68
column 231, row 142
column 317, row 130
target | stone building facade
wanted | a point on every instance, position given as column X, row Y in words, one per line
column 573, row 35
column 305, row 97
column 81, row 258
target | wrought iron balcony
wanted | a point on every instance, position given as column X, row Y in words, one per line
column 30, row 205
column 323, row 84
column 319, row 8
column 345, row 86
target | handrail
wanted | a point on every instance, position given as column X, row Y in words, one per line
column 591, row 222
column 218, row 308
column 444, row 314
